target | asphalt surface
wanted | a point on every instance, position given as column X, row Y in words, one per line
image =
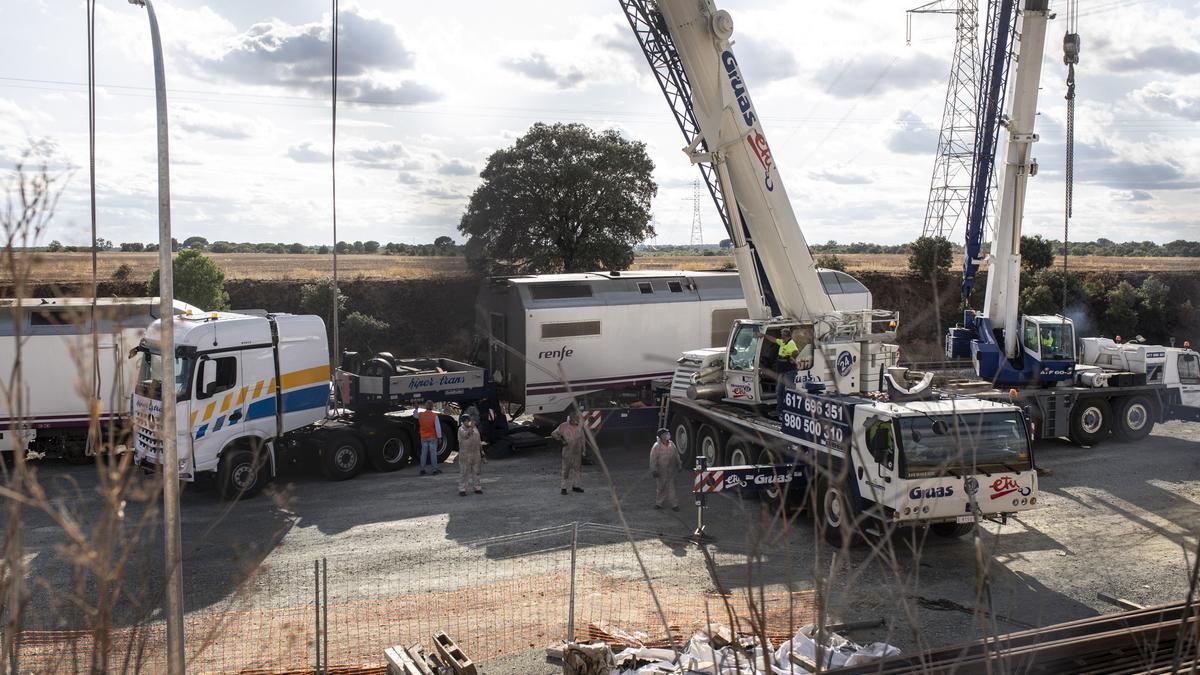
column 1122, row 519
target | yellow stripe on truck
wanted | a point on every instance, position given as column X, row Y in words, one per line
column 225, row 403
column 242, row 395
column 300, row 378
column 257, row 390
column 208, row 411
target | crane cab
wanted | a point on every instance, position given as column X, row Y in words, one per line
column 1048, row 345
column 1046, row 354
column 753, row 360
column 753, row 366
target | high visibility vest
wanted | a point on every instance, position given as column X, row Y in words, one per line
column 786, row 349
column 428, row 420
column 875, row 429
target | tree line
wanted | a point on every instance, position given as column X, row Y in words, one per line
column 442, row 246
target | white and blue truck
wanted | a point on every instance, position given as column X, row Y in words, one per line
column 256, row 392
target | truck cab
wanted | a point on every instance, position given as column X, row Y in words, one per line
column 240, row 382
column 944, row 461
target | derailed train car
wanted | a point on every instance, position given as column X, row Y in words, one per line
column 601, row 338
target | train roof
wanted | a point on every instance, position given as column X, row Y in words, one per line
column 835, row 282
column 87, row 302
column 641, row 275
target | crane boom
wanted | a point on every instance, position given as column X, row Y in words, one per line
column 729, row 137
column 1042, row 349
column 1004, row 272
column 997, row 53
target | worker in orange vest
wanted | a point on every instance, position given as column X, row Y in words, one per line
column 431, row 431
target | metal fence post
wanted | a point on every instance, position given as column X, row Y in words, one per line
column 317, row 614
column 571, row 603
column 325, row 613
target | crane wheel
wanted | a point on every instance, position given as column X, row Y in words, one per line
column 1133, row 418
column 681, row 434
column 1091, row 419
column 708, row 444
column 739, row 454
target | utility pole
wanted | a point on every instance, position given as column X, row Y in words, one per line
column 172, row 537
column 950, row 186
column 697, row 233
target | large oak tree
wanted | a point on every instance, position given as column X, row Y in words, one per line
column 563, row 198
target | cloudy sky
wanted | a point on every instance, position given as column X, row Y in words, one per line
column 428, row 90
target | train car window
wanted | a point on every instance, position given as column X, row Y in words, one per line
column 722, row 324
column 570, row 329
column 559, row 291
column 645, row 287
column 675, row 286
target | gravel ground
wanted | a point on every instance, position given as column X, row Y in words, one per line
column 1118, row 518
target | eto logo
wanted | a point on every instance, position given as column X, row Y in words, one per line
column 845, row 361
column 1005, row 485
column 931, row 493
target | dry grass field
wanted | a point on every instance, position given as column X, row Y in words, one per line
column 75, row 268
column 64, row 268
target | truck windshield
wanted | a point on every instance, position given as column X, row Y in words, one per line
column 966, row 443
column 150, row 375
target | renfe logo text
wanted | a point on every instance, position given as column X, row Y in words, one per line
column 557, row 354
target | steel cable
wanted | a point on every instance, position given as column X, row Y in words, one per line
column 94, row 404
column 333, row 179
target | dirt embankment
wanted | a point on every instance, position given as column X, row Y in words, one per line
column 437, row 316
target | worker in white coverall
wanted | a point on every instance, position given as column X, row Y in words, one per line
column 470, row 454
column 571, row 434
column 664, row 465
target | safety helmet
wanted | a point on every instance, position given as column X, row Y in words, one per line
column 660, row 432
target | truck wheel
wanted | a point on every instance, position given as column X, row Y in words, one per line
column 391, row 451
column 739, row 454
column 1134, row 418
column 708, row 444
column 239, row 475
column 952, row 530
column 342, row 459
column 834, row 514
column 681, row 433
column 1091, row 419
column 448, row 443
column 767, row 458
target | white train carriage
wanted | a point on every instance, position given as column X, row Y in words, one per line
column 57, row 382
column 603, row 337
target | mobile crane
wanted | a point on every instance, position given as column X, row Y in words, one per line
column 930, row 458
column 1032, row 360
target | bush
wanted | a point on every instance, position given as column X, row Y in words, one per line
column 831, row 262
column 1121, row 317
column 362, row 333
column 198, row 280
column 317, row 298
column 1153, row 314
column 1038, row 299
column 122, row 273
column 930, row 257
